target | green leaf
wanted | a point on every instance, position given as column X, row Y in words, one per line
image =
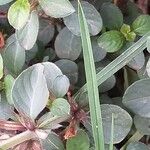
column 28, row 34
column 54, row 78
column 137, row 97
column 9, row 81
column 122, row 123
column 53, row 142
column 111, row 41
column 57, row 8
column 69, row 68
column 3, row 2
column 148, row 44
column 61, row 86
column 137, row 146
column 92, row 88
column 13, row 56
column 18, row 13
column 112, row 16
column 46, row 31
column 60, row 107
column 98, row 53
column 78, row 142
column 67, row 45
column 94, row 19
column 1, row 66
column 142, row 124
column 141, row 25
column 111, row 147
column 6, row 111
column 30, row 93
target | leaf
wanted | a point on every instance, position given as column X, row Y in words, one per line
column 13, row 56
column 137, row 62
column 57, row 8
column 3, row 2
column 61, row 86
column 1, row 66
column 53, row 142
column 69, row 68
column 137, row 146
column 122, row 123
column 137, row 97
column 141, row 25
column 18, row 13
column 112, row 16
column 6, row 111
column 79, row 142
column 67, row 45
column 148, row 44
column 142, row 124
column 46, row 31
column 30, row 93
column 98, row 53
column 94, row 20
column 54, row 79
column 60, row 107
column 9, row 81
column 28, row 34
column 111, row 41
column 93, row 94
column 111, row 147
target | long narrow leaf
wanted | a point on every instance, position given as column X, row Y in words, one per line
column 92, row 87
column 119, row 62
column 112, row 133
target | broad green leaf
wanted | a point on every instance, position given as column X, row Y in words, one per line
column 78, row 142
column 94, row 20
column 18, row 13
column 57, row 8
column 13, row 56
column 142, row 124
column 1, row 66
column 69, row 68
column 137, row 97
column 137, row 62
column 61, row 86
column 60, row 107
column 98, row 53
column 90, row 71
column 28, row 34
column 3, row 2
column 9, row 81
column 137, row 146
column 67, row 45
column 46, row 31
column 30, row 93
column 122, row 122
column 52, row 142
column 111, row 41
column 141, row 25
column 112, row 16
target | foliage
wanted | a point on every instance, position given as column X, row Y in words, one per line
column 74, row 75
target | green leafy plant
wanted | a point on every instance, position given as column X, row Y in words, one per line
column 74, row 75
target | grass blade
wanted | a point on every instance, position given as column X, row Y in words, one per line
column 119, row 62
column 93, row 94
column 112, row 133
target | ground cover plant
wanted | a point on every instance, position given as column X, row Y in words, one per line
column 74, row 75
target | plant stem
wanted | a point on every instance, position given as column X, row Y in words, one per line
column 17, row 139
column 136, row 137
